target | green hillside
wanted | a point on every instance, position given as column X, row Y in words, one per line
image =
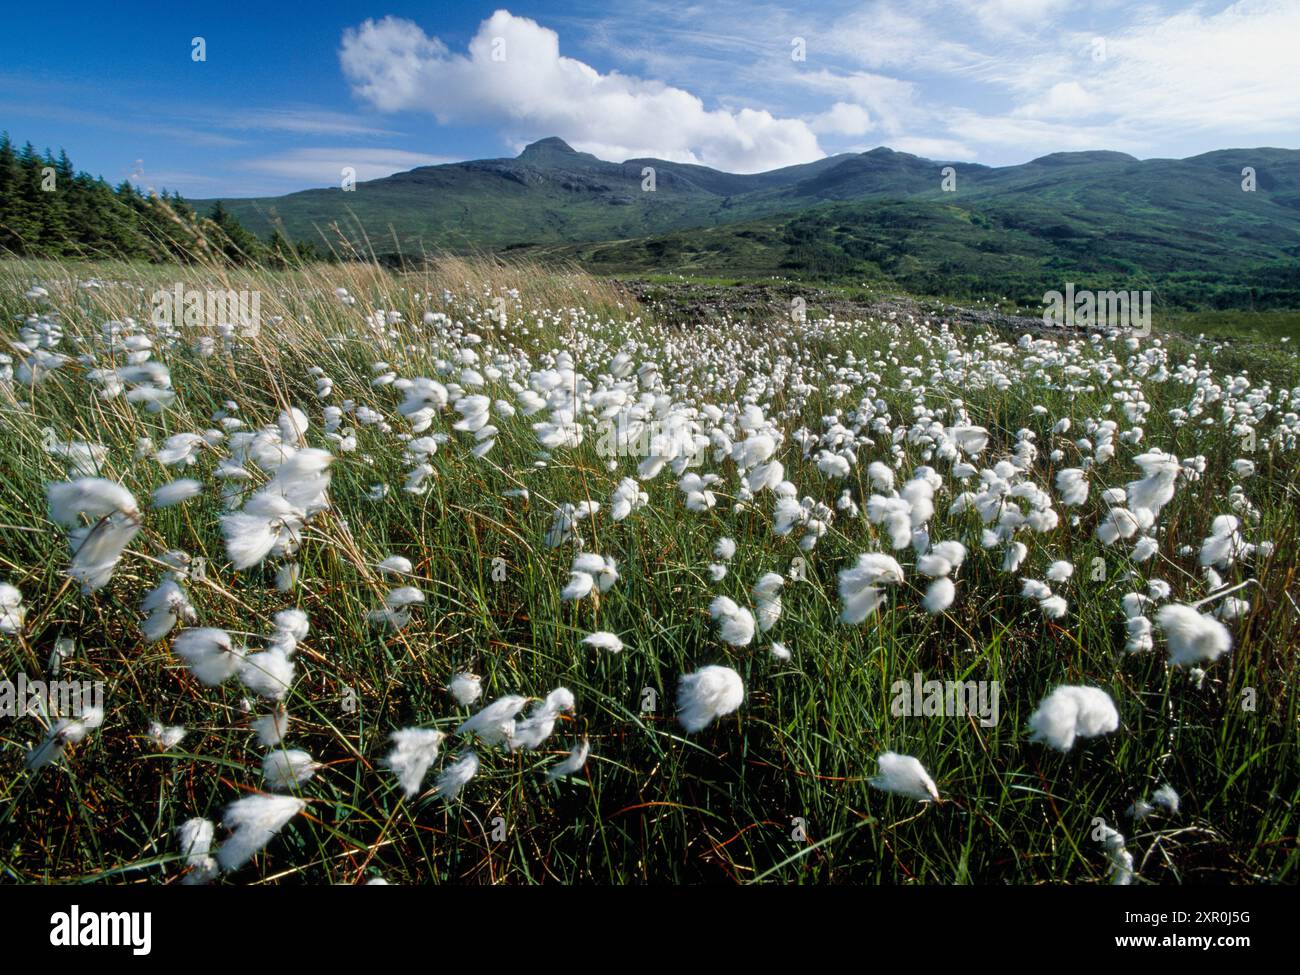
column 1183, row 228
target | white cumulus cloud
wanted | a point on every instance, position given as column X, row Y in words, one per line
column 514, row 78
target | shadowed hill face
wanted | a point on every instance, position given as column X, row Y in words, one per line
column 1061, row 210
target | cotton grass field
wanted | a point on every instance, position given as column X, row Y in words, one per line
column 487, row 575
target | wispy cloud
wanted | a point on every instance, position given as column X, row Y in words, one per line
column 306, row 121
column 324, row 166
column 135, row 123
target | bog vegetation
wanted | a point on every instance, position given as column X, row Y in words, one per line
column 479, row 574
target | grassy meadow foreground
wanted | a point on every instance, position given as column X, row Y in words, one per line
column 486, row 574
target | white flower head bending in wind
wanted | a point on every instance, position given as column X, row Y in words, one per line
column 93, row 497
column 540, row 722
column 1072, row 485
column 271, row 728
column 268, row 673
column 209, row 653
column 1224, row 545
column 970, row 440
column 455, row 777
column 396, row 613
column 425, row 398
column 767, row 600
column 285, row 768
column 495, row 724
column 1156, row 489
column 905, row 776
column 255, row 820
column 65, row 732
column 628, row 497
column 176, row 492
column 166, row 605
column 604, row 640
column 165, row 737
column 395, row 565
column 414, row 750
column 194, row 837
column 708, row 694
column 1124, row 523
column 1120, row 859
column 861, row 589
column 572, row 763
column 939, row 595
column 1071, row 712
column 942, row 559
column 97, row 547
column 271, row 521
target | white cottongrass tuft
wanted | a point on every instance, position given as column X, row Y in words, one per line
column 572, row 763
column 268, row 673
column 194, row 837
column 781, row 652
column 860, row 586
column 707, row 694
column 495, row 724
column 271, row 728
column 604, row 640
column 767, row 601
column 1193, row 638
column 1121, row 860
column 455, row 777
column 466, row 688
column 905, row 776
column 285, row 768
column 93, row 497
column 939, row 595
column 165, row 605
column 12, row 610
column 397, row 607
column 209, row 653
column 176, row 492
column 1168, row 798
column 540, row 722
column 1054, row 607
column 66, row 731
column 165, row 737
column 1059, row 571
column 255, row 820
column 735, row 623
column 1071, row 712
column 414, row 750
column 395, row 565
column 1072, row 485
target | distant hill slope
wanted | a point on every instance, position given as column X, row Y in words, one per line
column 548, row 193
column 879, row 215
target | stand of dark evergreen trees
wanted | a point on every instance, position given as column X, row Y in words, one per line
column 47, row 209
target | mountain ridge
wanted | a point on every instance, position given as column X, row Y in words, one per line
column 1055, row 213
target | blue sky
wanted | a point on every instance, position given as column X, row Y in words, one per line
column 288, row 96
